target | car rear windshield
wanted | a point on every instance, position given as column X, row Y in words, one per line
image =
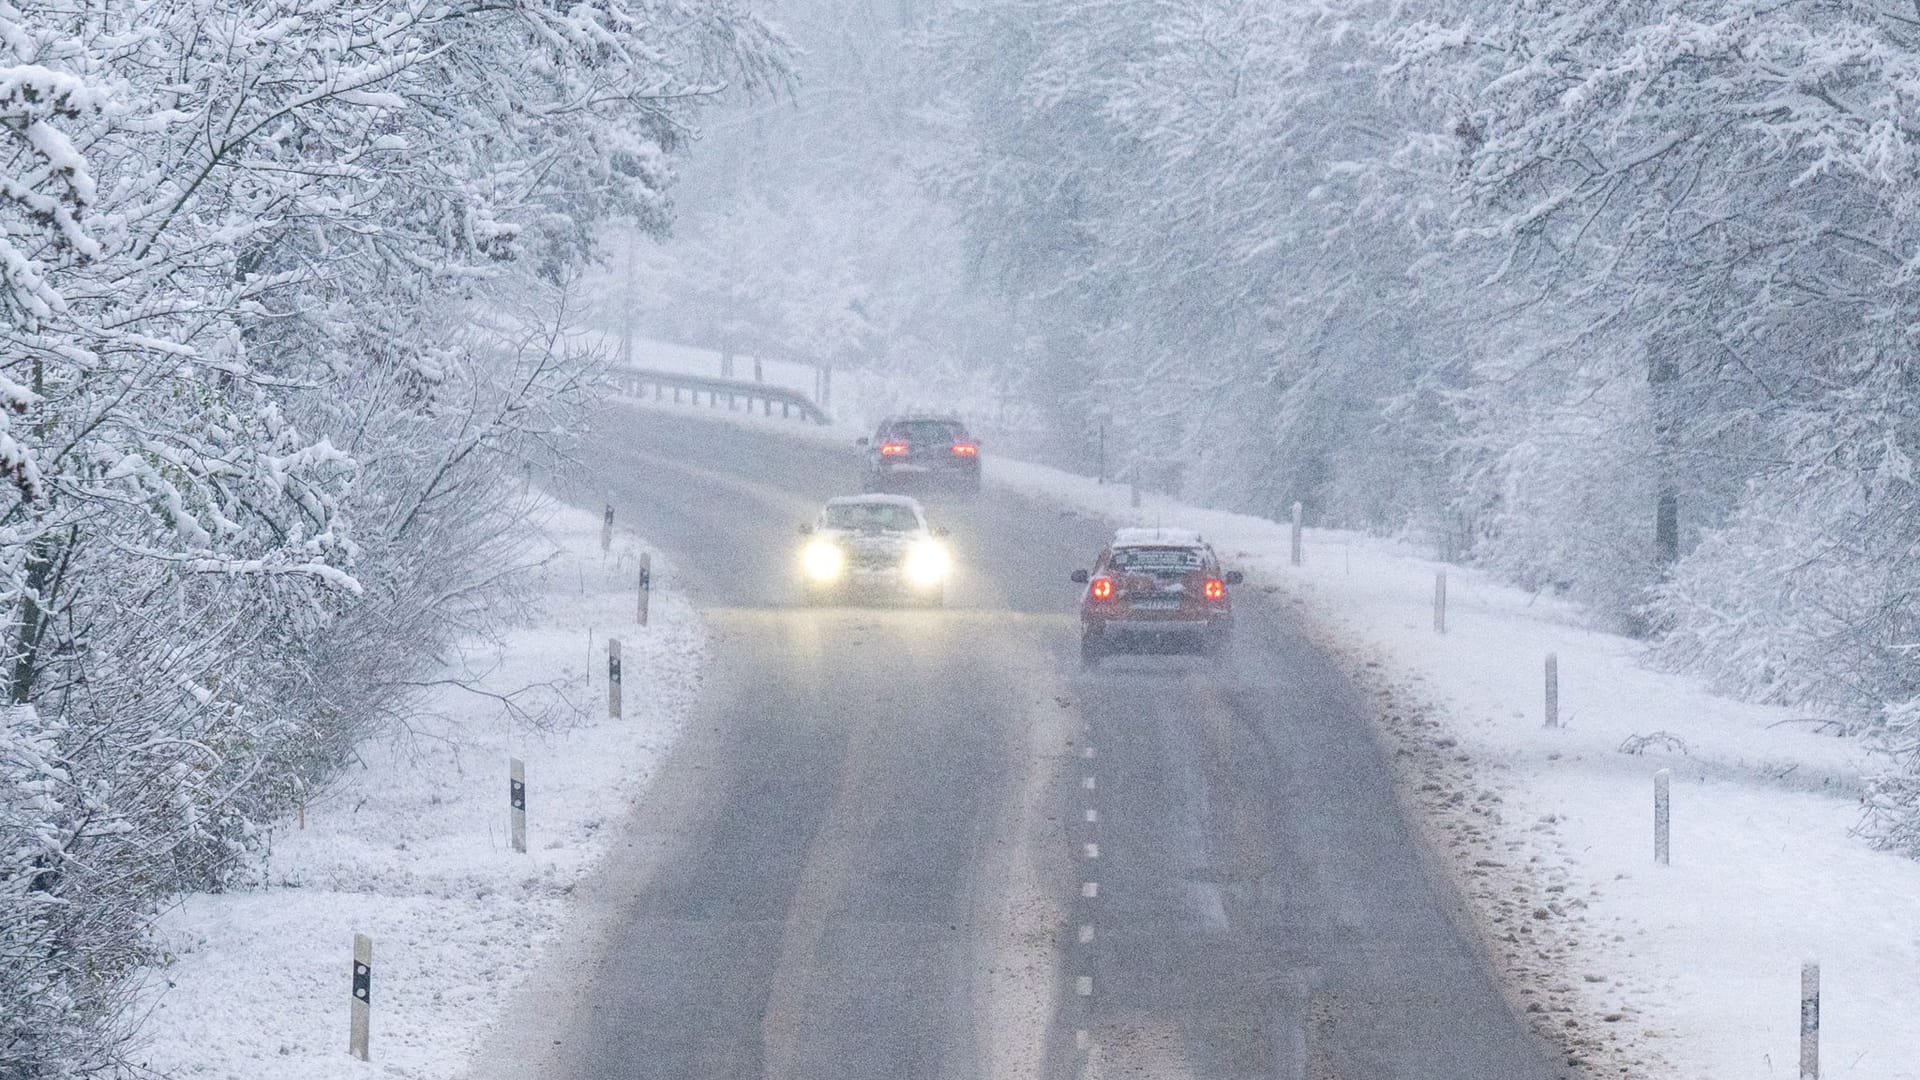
column 869, row 517
column 1156, row 558
column 927, row 431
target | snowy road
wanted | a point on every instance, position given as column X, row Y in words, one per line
column 908, row 845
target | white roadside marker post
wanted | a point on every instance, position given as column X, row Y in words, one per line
column 362, row 1005
column 1810, row 1020
column 517, row 801
column 646, row 584
column 613, row 678
column 1553, row 690
column 1294, row 550
column 1440, row 602
column 1661, row 786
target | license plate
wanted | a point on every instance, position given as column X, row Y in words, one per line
column 1155, row 604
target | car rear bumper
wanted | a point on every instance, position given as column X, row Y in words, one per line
column 912, row 471
column 1134, row 625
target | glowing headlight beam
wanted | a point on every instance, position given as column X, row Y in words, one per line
column 823, row 561
column 928, row 563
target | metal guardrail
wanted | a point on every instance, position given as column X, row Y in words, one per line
column 647, row 382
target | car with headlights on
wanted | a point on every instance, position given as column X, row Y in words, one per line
column 1156, row 590
column 874, row 547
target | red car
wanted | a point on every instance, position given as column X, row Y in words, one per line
column 1156, row 590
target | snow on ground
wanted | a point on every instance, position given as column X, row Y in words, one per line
column 413, row 848
column 1689, row 971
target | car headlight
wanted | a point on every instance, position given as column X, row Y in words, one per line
column 928, row 563
column 823, row 560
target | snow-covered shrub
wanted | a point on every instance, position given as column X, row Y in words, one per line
column 1808, row 594
column 255, row 436
column 1564, row 489
column 1893, row 794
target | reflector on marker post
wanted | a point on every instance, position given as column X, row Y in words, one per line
column 1810, row 1021
column 517, row 801
column 362, row 1005
column 613, row 677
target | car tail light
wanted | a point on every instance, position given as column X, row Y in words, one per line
column 893, row 449
column 1101, row 588
column 1216, row 589
column 966, row 449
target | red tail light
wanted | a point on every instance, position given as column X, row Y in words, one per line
column 966, row 449
column 1101, row 588
column 1216, row 589
column 893, row 449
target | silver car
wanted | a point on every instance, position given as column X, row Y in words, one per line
column 874, row 547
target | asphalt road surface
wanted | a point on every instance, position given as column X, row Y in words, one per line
column 926, row 845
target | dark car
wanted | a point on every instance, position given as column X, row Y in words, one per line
column 1156, row 590
column 922, row 452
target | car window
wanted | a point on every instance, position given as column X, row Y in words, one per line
column 1157, row 558
column 926, row 431
column 883, row 517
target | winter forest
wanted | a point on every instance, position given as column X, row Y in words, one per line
column 1617, row 300
column 262, row 446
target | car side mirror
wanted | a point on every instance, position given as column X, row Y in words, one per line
column 1078, row 577
column 806, row 530
column 861, row 441
column 1235, row 577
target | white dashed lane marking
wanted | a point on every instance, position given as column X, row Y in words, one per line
column 1083, row 985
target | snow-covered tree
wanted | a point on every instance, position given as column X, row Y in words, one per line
column 255, row 424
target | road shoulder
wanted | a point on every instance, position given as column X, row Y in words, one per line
column 413, row 848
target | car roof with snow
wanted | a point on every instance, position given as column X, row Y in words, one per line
column 1157, row 537
column 874, row 500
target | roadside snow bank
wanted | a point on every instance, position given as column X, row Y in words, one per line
column 1688, row 971
column 414, row 849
